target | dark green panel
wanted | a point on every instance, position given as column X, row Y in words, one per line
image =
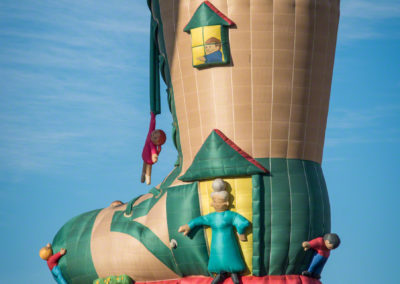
column 265, row 226
column 77, row 265
column 300, row 215
column 327, row 206
column 296, row 208
column 280, row 217
column 257, row 233
column 316, row 201
column 182, row 206
column 155, row 104
column 225, row 45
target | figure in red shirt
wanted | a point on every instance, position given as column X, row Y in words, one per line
column 46, row 253
column 152, row 147
column 322, row 248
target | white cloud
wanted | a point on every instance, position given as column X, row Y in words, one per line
column 363, row 20
column 371, row 10
column 361, row 118
column 373, row 125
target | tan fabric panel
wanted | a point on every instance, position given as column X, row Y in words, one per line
column 116, row 253
column 143, row 198
column 273, row 99
column 156, row 220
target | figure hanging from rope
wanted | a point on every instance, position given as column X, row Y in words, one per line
column 152, row 148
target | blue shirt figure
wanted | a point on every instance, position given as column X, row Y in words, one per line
column 214, row 57
column 225, row 253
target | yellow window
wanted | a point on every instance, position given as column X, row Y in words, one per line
column 207, row 45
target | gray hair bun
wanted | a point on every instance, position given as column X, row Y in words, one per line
column 218, row 185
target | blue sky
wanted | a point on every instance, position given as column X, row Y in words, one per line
column 74, row 112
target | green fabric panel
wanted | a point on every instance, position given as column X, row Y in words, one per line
column 316, row 201
column 265, row 224
column 280, row 217
column 225, row 44
column 125, row 225
column 300, row 215
column 204, row 16
column 218, row 159
column 325, row 198
column 295, row 203
column 121, row 279
column 257, row 234
column 77, row 265
column 155, row 105
column 191, row 254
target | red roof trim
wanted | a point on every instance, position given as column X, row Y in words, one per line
column 219, row 13
column 240, row 151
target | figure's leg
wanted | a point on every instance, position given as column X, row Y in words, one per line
column 217, row 279
column 61, row 280
column 317, row 265
column 148, row 173
column 142, row 179
column 235, row 278
column 220, row 277
column 58, row 275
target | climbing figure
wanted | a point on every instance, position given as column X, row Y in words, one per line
column 46, row 253
column 152, row 148
column 225, row 256
column 322, row 247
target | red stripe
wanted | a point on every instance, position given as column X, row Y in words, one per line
column 271, row 279
column 218, row 12
column 240, row 151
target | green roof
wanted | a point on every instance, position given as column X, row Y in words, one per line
column 207, row 15
column 221, row 157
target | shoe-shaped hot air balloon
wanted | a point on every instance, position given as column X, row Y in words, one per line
column 248, row 88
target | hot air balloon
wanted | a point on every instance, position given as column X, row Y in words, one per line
column 248, row 89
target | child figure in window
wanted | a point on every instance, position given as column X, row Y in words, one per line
column 213, row 51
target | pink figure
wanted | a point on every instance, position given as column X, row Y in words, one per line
column 152, row 147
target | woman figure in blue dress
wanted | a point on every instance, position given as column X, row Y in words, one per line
column 225, row 255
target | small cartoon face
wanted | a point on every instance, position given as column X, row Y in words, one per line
column 157, row 137
column 210, row 48
column 219, row 203
column 328, row 244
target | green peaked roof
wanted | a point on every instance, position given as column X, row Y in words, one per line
column 207, row 15
column 221, row 157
